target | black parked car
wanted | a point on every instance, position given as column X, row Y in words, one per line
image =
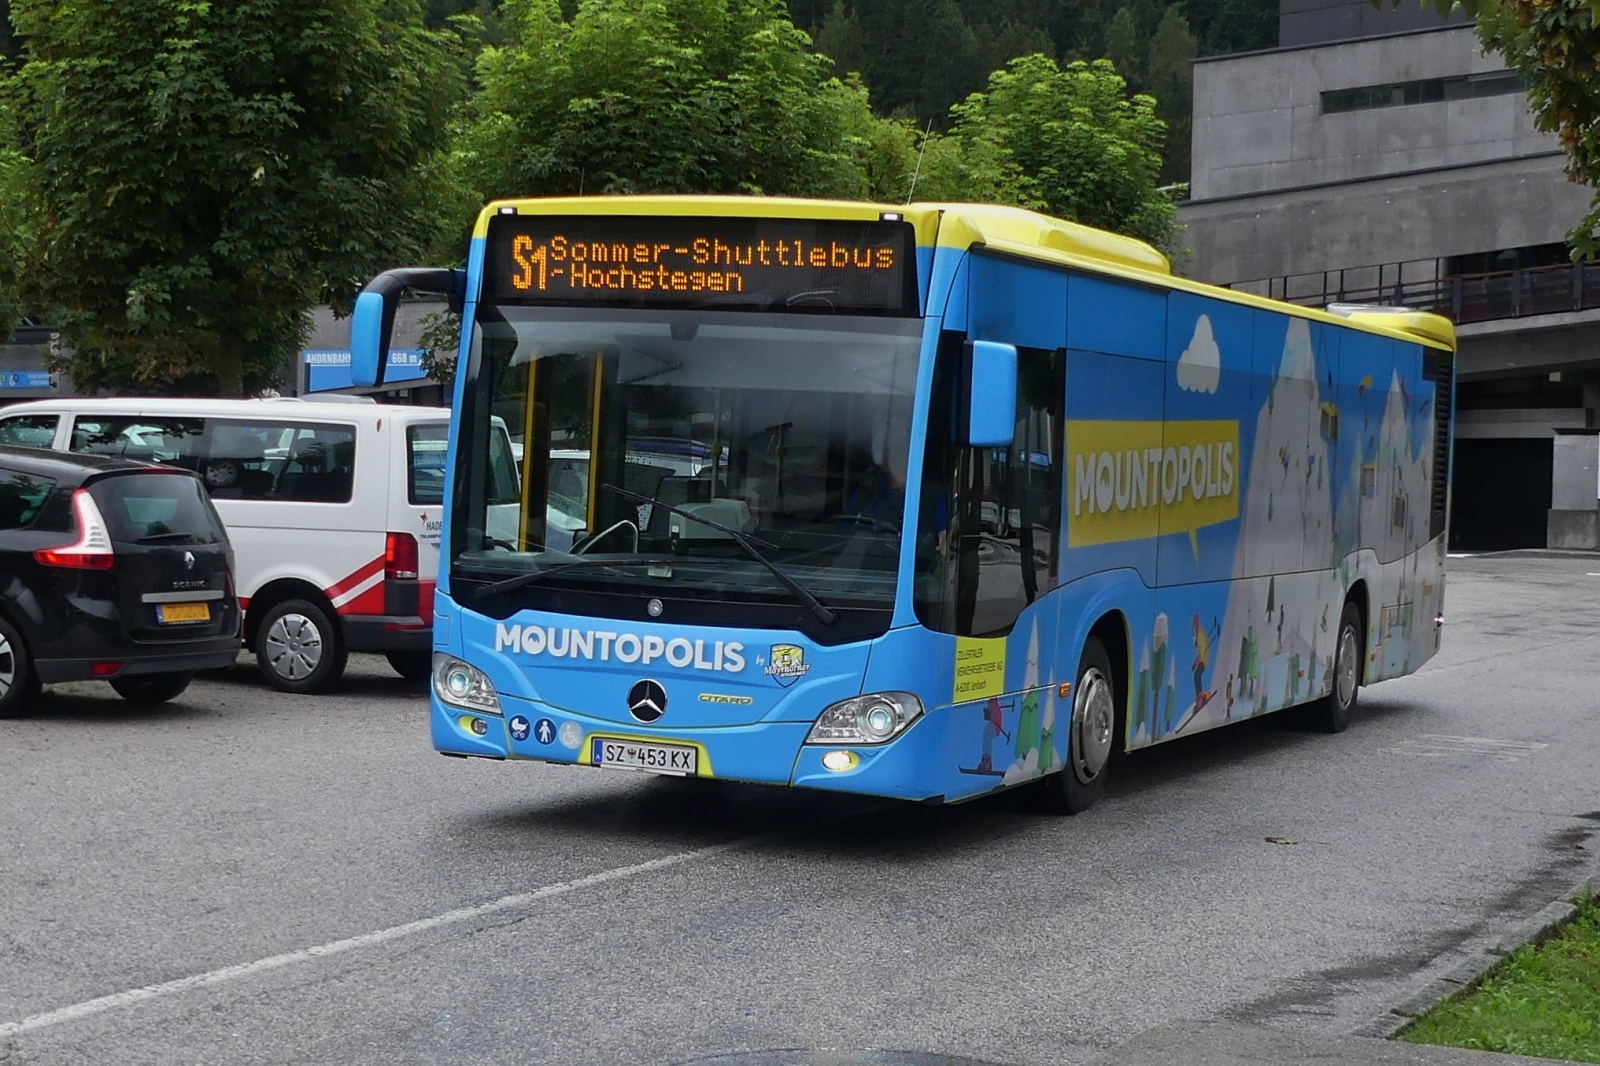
column 111, row 570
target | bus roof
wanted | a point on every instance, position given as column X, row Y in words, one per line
column 1008, row 230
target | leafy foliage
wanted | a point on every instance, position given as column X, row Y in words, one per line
column 1066, row 140
column 207, row 171
column 641, row 96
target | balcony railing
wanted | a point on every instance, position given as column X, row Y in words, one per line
column 1461, row 297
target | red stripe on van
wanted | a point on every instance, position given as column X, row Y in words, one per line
column 340, row 588
column 369, row 602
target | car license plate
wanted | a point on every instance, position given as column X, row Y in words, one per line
column 168, row 613
column 652, row 758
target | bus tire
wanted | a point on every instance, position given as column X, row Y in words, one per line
column 1333, row 712
column 18, row 683
column 1091, row 737
column 299, row 648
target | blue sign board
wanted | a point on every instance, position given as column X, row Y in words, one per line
column 26, row 379
column 329, row 368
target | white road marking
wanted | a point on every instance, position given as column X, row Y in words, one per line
column 76, row 1011
column 1439, row 745
column 1458, row 555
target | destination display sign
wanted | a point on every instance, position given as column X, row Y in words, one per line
column 726, row 263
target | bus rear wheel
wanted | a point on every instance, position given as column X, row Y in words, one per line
column 1333, row 712
column 1091, row 737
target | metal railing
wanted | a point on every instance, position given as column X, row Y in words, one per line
column 1460, row 297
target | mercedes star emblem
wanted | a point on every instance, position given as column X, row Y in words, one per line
column 653, row 608
column 647, row 700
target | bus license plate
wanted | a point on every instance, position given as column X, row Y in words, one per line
column 652, row 758
column 169, row 613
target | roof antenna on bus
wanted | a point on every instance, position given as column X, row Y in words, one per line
column 917, row 170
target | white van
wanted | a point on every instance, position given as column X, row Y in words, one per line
column 333, row 509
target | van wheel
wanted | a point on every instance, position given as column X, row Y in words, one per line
column 412, row 665
column 298, row 647
column 1091, row 737
column 18, row 683
column 152, row 688
column 1333, row 712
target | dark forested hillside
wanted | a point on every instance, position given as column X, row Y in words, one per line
column 921, row 56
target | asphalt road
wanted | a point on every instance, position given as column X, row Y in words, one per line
column 245, row 877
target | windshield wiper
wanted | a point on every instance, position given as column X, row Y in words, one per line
column 522, row 580
column 151, row 538
column 824, row 614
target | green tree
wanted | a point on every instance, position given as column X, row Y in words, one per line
column 639, row 96
column 209, row 170
column 1170, row 79
column 839, row 38
column 1124, row 45
column 1067, row 140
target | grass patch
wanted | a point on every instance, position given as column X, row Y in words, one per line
column 1542, row 1001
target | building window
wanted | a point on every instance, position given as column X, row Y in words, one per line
column 1428, row 91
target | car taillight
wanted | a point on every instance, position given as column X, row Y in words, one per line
column 400, row 557
column 92, row 550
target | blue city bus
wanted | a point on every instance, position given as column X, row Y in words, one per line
column 919, row 502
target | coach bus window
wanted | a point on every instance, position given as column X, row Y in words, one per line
column 793, row 429
column 987, row 529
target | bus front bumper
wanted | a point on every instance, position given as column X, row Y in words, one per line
column 773, row 753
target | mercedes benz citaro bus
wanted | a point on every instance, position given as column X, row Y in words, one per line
column 920, row 502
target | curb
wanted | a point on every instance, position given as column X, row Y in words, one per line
column 1473, row 963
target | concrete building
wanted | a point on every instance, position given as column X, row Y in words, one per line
column 1380, row 156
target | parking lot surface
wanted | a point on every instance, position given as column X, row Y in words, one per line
column 245, row 876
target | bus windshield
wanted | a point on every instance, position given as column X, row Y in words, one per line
column 645, row 439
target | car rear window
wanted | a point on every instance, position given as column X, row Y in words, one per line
column 21, row 496
column 156, row 508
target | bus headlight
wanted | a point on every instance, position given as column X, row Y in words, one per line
column 872, row 719
column 463, row 685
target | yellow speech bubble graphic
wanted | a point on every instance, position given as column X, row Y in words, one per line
column 1135, row 480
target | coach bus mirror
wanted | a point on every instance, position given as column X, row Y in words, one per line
column 369, row 348
column 991, row 395
column 372, row 325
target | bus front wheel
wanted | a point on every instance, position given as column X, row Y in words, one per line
column 1333, row 712
column 1091, row 737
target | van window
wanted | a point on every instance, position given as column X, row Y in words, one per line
column 21, row 496
column 29, row 431
column 289, row 461
column 156, row 508
column 425, row 454
column 151, row 439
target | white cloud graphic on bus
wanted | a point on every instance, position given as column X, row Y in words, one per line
column 1200, row 366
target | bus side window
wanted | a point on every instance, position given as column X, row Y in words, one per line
column 988, row 528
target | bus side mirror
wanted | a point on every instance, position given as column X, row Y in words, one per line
column 991, row 394
column 372, row 325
